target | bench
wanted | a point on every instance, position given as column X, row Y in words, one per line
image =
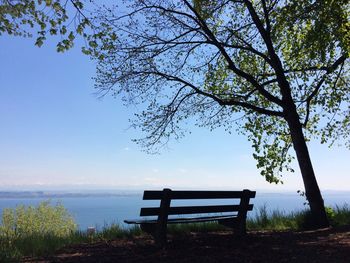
column 234, row 214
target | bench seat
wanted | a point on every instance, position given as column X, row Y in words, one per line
column 182, row 220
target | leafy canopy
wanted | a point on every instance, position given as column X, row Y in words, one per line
column 220, row 63
column 46, row 17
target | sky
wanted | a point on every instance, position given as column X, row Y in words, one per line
column 56, row 133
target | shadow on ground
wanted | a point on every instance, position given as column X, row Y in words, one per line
column 328, row 245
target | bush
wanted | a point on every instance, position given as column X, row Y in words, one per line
column 34, row 230
column 41, row 220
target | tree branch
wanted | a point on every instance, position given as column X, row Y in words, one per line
column 331, row 69
column 222, row 102
column 266, row 14
column 231, row 64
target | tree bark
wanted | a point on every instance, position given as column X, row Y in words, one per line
column 312, row 190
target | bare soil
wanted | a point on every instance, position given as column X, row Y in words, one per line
column 326, row 245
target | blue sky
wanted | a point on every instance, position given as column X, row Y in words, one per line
column 55, row 133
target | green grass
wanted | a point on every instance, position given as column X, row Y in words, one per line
column 300, row 220
column 276, row 220
column 341, row 215
column 42, row 230
column 12, row 249
column 116, row 231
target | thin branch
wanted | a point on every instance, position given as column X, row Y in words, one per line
column 226, row 102
column 266, row 14
column 330, row 70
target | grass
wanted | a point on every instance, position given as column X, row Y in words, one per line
column 19, row 238
column 300, row 220
column 12, row 249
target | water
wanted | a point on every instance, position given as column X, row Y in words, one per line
column 103, row 210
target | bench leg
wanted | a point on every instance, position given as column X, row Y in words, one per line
column 241, row 229
column 158, row 233
column 161, row 237
column 162, row 221
column 148, row 228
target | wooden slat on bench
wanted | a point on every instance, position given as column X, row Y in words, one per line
column 183, row 219
column 153, row 211
column 156, row 195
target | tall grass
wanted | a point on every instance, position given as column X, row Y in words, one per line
column 341, row 216
column 299, row 220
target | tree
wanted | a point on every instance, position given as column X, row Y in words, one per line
column 47, row 17
column 275, row 70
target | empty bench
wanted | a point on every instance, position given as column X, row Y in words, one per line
column 232, row 215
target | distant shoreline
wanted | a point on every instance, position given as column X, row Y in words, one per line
column 43, row 194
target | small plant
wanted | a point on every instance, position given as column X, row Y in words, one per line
column 330, row 215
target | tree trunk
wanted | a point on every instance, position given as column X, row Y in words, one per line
column 312, row 190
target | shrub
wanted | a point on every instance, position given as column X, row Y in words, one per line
column 34, row 230
column 41, row 220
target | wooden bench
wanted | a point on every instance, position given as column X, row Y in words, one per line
column 234, row 217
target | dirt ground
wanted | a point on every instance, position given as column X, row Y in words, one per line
column 327, row 245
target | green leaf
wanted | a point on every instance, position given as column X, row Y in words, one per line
column 63, row 30
column 48, row 2
column 71, row 36
column 92, row 44
column 40, row 41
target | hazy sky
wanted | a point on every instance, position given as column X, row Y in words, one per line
column 55, row 133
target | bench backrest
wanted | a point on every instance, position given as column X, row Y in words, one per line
column 167, row 195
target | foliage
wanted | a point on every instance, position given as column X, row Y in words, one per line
column 38, row 230
column 41, row 220
column 47, row 17
column 245, row 65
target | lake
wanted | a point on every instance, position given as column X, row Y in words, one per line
column 102, row 210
